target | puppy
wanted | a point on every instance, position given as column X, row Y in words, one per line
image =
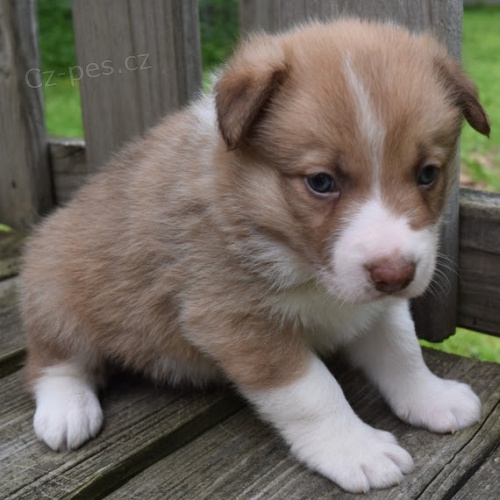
column 294, row 212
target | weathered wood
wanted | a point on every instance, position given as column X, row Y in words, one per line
column 443, row 17
column 471, row 456
column 137, row 61
column 236, row 459
column 68, row 158
column 10, row 253
column 11, row 332
column 243, row 458
column 25, row 190
column 484, row 484
column 143, row 425
column 435, row 313
column 479, row 285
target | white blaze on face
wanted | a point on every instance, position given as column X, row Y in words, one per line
column 375, row 234
column 371, row 126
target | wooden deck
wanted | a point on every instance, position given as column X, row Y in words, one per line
column 161, row 443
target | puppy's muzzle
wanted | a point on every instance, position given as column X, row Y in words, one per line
column 391, row 275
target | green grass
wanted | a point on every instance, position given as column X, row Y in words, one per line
column 470, row 344
column 62, row 108
column 481, row 59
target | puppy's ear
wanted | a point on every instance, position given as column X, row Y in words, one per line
column 464, row 93
column 255, row 72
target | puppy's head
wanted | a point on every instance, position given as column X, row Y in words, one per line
column 342, row 139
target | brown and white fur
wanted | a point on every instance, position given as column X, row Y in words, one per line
column 294, row 212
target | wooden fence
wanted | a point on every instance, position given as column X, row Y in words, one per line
column 141, row 59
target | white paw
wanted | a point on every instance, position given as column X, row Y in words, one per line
column 68, row 412
column 439, row 405
column 358, row 458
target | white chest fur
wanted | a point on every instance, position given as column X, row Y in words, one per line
column 328, row 323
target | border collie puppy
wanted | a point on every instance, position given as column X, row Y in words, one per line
column 293, row 212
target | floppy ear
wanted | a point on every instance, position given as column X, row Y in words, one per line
column 254, row 73
column 464, row 93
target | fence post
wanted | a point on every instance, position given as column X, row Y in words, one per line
column 137, row 61
column 435, row 313
column 25, row 186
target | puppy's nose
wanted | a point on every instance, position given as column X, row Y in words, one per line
column 391, row 275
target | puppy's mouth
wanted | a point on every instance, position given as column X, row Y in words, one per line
column 370, row 294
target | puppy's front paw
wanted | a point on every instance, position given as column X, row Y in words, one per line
column 67, row 414
column 439, row 405
column 359, row 458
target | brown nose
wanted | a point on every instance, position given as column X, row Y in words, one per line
column 391, row 275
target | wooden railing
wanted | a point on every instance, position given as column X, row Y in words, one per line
column 141, row 60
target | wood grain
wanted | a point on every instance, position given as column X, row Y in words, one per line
column 11, row 331
column 10, row 253
column 25, row 190
column 484, row 484
column 68, row 158
column 143, row 425
column 137, row 62
column 243, row 458
column 442, row 17
column 479, row 264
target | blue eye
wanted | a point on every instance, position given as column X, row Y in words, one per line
column 427, row 175
column 321, row 184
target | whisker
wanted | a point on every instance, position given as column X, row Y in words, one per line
column 441, row 281
column 447, row 263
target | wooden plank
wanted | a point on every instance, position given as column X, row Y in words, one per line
column 236, row 455
column 10, row 253
column 243, row 458
column 485, row 483
column 255, row 16
column 435, row 313
column 479, row 286
column 443, row 17
column 465, row 463
column 11, row 332
column 68, row 158
column 137, row 62
column 143, row 425
column 25, row 190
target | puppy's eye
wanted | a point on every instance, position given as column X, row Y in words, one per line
column 321, row 184
column 427, row 175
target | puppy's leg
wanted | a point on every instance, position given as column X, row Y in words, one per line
column 68, row 412
column 391, row 357
column 323, row 431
